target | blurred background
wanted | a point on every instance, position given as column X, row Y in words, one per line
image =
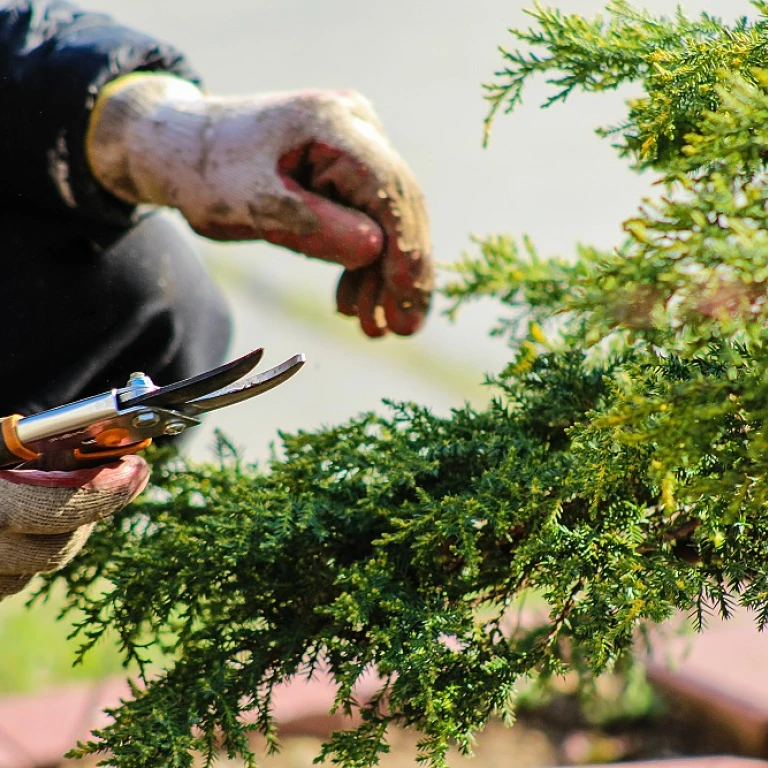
column 544, row 174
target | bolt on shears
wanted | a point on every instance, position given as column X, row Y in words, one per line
column 104, row 427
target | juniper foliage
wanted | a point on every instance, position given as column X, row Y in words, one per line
column 619, row 471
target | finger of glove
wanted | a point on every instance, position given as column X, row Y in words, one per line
column 352, row 286
column 359, row 294
column 342, row 235
column 369, row 309
column 386, row 190
column 36, row 502
column 348, row 291
column 22, row 553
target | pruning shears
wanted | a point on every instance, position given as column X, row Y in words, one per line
column 104, row 427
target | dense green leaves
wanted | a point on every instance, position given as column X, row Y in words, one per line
column 619, row 472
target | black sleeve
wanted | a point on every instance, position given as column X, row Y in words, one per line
column 54, row 58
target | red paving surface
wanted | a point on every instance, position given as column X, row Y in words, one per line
column 719, row 677
column 724, row 761
column 36, row 730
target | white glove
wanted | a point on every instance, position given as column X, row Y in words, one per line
column 310, row 171
column 46, row 517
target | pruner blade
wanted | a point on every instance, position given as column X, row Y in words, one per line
column 244, row 389
column 182, row 392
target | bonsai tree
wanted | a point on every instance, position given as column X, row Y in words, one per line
column 620, row 471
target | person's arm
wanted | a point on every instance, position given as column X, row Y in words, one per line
column 54, row 60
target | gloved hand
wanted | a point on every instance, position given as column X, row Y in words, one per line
column 46, row 517
column 310, row 171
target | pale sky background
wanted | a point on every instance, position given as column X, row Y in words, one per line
column 421, row 62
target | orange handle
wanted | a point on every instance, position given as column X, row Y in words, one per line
column 107, row 454
column 12, row 450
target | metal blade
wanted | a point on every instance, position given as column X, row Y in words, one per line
column 242, row 390
column 196, row 386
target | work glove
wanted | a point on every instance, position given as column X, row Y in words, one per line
column 46, row 517
column 311, row 171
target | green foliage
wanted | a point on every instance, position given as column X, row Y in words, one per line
column 619, row 470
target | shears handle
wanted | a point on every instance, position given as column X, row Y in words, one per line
column 13, row 452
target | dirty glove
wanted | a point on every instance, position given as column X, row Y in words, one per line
column 310, row 171
column 46, row 517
